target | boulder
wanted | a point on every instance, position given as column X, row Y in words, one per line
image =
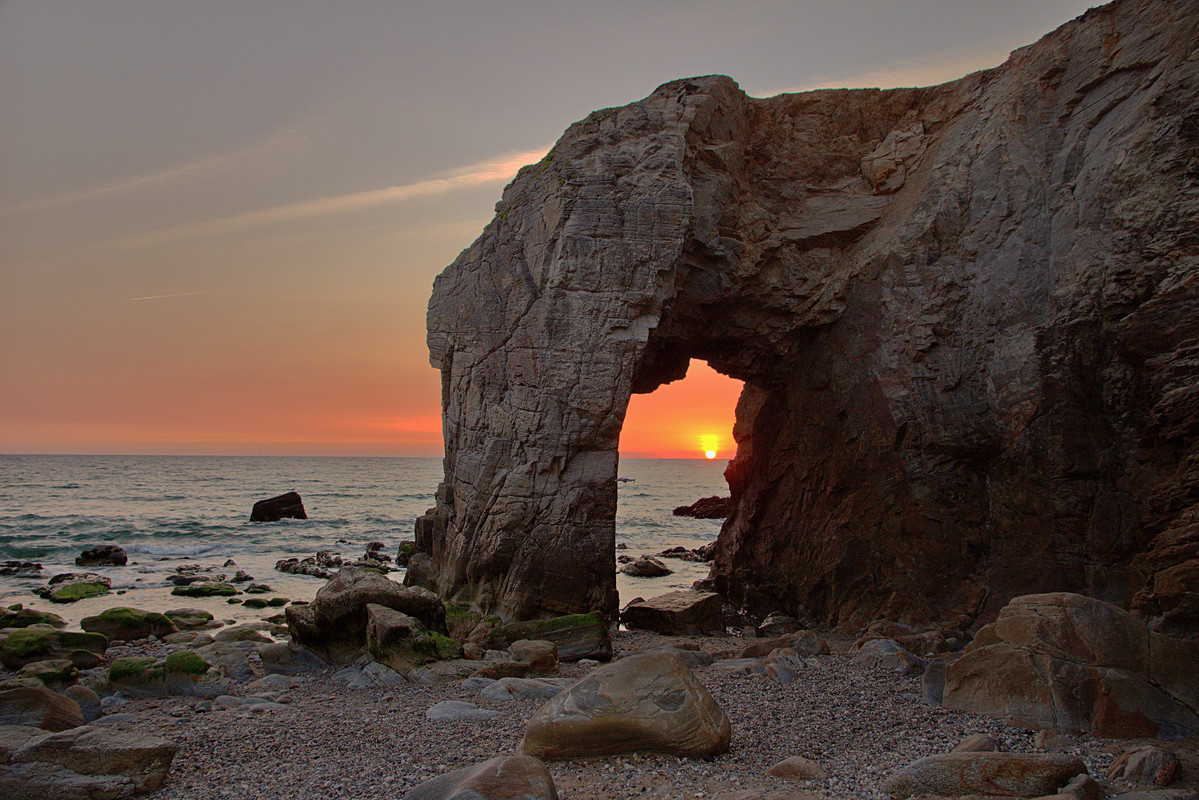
column 646, row 567
column 501, row 778
column 18, row 617
column 206, row 589
column 976, row 743
column 70, row 587
column 404, row 552
column 38, row 707
column 85, row 763
column 645, row 703
column 27, row 645
column 334, row 625
column 1073, row 663
column 806, row 643
column 421, row 571
column 56, row 672
column 182, row 672
column 189, row 619
column 21, row 569
column 1010, row 774
column 229, row 659
column 1146, row 766
column 288, row 658
column 88, row 700
column 777, row 624
column 285, row 506
column 541, row 656
column 576, row 636
column 681, row 613
column 402, row 642
column 459, row 711
column 889, row 655
column 521, row 688
column 122, row 624
column 102, row 555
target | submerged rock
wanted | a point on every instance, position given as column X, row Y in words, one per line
column 707, row 508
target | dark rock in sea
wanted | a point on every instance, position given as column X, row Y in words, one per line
column 707, row 508
column 322, row 565
column 205, row 589
column 102, row 555
column 188, row 578
column 20, row 569
column 406, row 550
column 700, row 554
column 285, row 506
column 646, row 567
column 966, row 317
column 69, row 587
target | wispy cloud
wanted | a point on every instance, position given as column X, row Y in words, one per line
column 495, row 170
column 292, row 139
column 192, row 294
column 924, row 70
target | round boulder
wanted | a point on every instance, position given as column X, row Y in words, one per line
column 645, row 703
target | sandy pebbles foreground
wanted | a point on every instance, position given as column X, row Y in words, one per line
column 329, row 741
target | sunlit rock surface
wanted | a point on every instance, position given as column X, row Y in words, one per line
column 967, row 318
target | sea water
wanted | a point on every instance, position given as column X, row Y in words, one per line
column 167, row 511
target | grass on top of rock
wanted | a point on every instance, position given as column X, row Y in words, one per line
column 16, row 616
column 132, row 618
column 132, row 667
column 186, row 662
column 25, row 643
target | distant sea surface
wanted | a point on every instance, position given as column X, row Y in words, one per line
column 171, row 510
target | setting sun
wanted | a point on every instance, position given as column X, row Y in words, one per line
column 710, row 453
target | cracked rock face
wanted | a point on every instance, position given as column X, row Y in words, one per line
column 967, row 318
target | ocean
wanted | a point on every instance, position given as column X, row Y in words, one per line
column 167, row 511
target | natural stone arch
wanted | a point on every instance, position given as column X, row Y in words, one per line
column 946, row 323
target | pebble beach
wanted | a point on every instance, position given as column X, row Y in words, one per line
column 314, row 736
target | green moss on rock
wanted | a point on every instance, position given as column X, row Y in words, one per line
column 446, row 647
column 18, row 617
column 276, row 602
column 185, row 662
column 73, row 592
column 254, row 602
column 56, row 671
column 135, row 668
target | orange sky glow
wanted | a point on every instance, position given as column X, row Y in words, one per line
column 683, row 419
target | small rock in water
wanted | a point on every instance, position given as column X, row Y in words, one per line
column 285, row 506
column 102, row 555
column 646, row 567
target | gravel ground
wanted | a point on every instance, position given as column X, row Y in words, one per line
column 324, row 740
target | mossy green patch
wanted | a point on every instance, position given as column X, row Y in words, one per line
column 54, row 672
column 254, row 602
column 185, row 662
column 135, row 668
column 276, row 602
column 74, row 592
column 18, row 617
column 24, row 644
column 447, row 648
column 453, row 612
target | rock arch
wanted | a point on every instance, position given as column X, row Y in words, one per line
column 959, row 313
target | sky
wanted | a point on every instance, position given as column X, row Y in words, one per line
column 220, row 221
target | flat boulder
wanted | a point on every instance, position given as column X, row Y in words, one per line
column 576, row 636
column 70, row 587
column 714, row 507
column 190, row 619
column 681, row 613
column 402, row 642
column 285, row 506
column 645, row 703
column 87, row 762
column 39, row 707
column 26, row 645
column 500, row 778
column 1009, row 774
column 102, row 555
column 1077, row 664
column 124, row 624
column 18, row 616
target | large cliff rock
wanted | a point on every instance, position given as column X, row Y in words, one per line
column 967, row 318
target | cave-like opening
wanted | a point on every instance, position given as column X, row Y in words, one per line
column 674, row 446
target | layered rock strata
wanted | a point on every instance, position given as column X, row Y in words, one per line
column 966, row 316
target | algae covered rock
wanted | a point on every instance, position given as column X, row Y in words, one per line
column 402, row 643
column 102, row 555
column 645, row 703
column 188, row 619
column 181, row 672
column 58, row 672
column 576, row 636
column 123, row 624
column 17, row 616
column 71, row 587
column 27, row 645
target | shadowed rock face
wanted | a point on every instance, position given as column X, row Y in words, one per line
column 966, row 317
